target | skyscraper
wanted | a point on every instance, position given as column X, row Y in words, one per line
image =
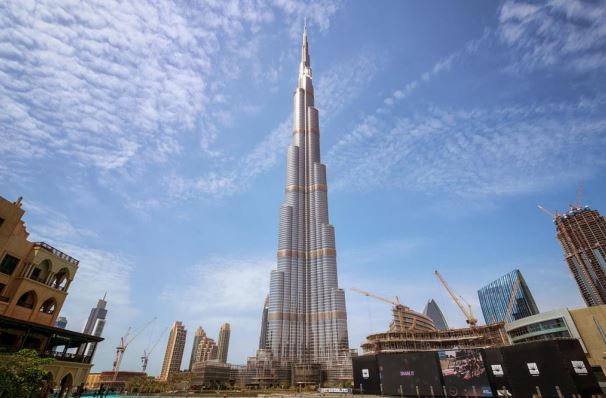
column 307, row 320
column 263, row 334
column 61, row 322
column 435, row 314
column 95, row 324
column 200, row 334
column 174, row 350
column 207, row 350
column 582, row 234
column 496, row 296
column 223, row 343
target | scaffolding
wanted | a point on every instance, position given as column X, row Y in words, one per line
column 485, row 336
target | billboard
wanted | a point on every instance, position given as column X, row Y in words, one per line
column 464, row 373
column 410, row 374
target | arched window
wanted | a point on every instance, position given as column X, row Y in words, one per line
column 61, row 279
column 49, row 306
column 40, row 271
column 27, row 300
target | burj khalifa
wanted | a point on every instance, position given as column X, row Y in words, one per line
column 306, row 318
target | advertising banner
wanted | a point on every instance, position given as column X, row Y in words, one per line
column 464, row 373
column 410, row 374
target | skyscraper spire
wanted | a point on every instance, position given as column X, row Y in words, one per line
column 304, row 49
column 305, row 67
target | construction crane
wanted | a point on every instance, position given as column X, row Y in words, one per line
column 147, row 352
column 471, row 320
column 577, row 203
column 575, row 206
column 516, row 286
column 124, row 342
column 383, row 299
column 550, row 213
column 399, row 310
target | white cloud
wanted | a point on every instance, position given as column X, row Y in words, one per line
column 335, row 89
column 479, row 152
column 442, row 65
column 114, row 86
column 235, row 284
column 224, row 289
column 570, row 33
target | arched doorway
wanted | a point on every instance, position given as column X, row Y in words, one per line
column 47, row 385
column 40, row 272
column 66, row 385
column 61, row 279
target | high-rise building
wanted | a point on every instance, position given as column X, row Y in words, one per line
column 435, row 314
column 61, row 322
column 174, row 350
column 223, row 344
column 200, row 334
column 263, row 334
column 307, row 320
column 496, row 296
column 582, row 234
column 207, row 350
column 95, row 323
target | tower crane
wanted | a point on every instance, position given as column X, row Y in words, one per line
column 471, row 320
column 575, row 206
column 516, row 286
column 147, row 353
column 124, row 342
column 577, row 203
column 383, row 299
column 399, row 310
column 550, row 213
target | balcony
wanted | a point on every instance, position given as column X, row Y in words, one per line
column 65, row 356
column 37, row 279
column 56, row 252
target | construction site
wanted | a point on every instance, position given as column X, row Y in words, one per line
column 413, row 358
column 412, row 331
column 116, row 380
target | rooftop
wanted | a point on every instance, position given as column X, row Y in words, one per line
column 56, row 252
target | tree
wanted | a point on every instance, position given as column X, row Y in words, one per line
column 22, row 374
column 145, row 384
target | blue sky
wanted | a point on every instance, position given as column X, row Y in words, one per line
column 149, row 142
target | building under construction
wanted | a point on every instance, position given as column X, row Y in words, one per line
column 484, row 336
column 413, row 331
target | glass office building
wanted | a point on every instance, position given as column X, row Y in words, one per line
column 435, row 314
column 496, row 296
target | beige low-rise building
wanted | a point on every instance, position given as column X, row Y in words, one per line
column 111, row 381
column 34, row 282
column 591, row 325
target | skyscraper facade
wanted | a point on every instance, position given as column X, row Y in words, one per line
column 223, row 343
column 200, row 334
column 435, row 314
column 307, row 320
column 207, row 350
column 95, row 323
column 174, row 350
column 582, row 234
column 496, row 297
column 263, row 334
